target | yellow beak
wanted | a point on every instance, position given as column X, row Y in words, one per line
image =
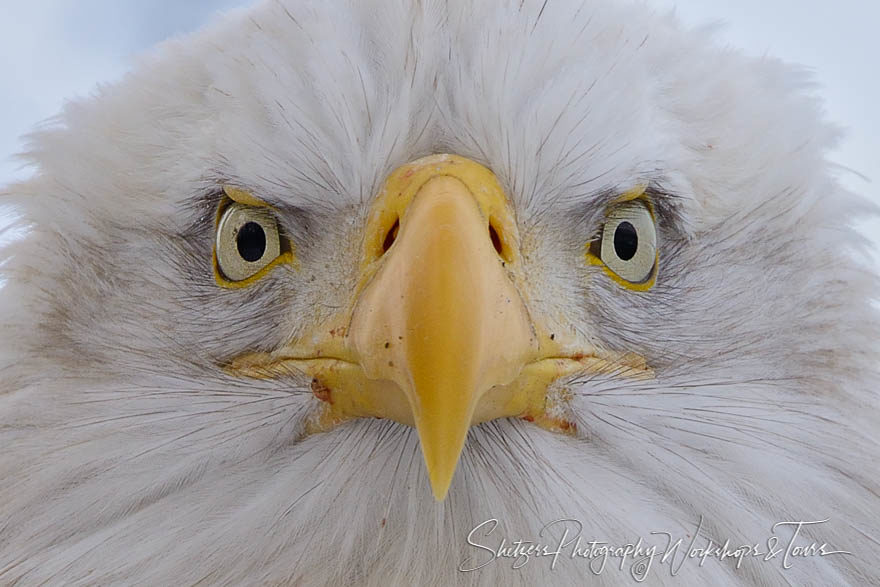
column 452, row 321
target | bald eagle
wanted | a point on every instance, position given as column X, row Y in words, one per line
column 430, row 293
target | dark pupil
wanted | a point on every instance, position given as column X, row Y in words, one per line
column 251, row 241
column 626, row 241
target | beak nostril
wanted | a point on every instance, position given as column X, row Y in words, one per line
column 496, row 240
column 390, row 236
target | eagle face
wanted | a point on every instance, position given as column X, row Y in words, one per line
column 314, row 294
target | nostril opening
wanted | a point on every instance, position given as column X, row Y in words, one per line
column 390, row 236
column 496, row 240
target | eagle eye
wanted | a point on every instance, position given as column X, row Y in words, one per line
column 247, row 242
column 627, row 245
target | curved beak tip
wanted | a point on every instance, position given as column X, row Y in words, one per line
column 440, row 486
column 442, row 441
column 441, row 468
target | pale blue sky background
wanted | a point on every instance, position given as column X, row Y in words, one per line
column 54, row 49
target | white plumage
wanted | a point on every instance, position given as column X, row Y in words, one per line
column 129, row 456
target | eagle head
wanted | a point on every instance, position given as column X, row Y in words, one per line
column 363, row 291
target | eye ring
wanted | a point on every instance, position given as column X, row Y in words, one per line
column 627, row 245
column 247, row 242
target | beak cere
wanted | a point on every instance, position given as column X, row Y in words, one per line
column 441, row 318
column 437, row 334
